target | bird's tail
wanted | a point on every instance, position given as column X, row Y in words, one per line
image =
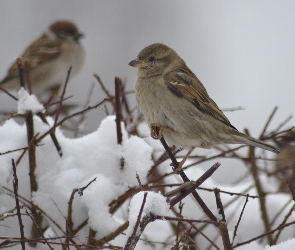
column 257, row 143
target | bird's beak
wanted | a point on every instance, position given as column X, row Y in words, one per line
column 138, row 63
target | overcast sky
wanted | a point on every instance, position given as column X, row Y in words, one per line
column 242, row 51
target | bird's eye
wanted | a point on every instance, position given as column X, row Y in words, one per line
column 62, row 35
column 151, row 59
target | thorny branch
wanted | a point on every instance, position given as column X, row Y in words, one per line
column 156, row 183
column 70, row 207
column 222, row 226
column 204, row 207
column 15, row 189
column 40, row 231
column 261, row 194
column 239, row 220
column 118, row 110
column 139, row 226
column 62, row 96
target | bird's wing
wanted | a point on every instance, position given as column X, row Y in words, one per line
column 37, row 53
column 185, row 84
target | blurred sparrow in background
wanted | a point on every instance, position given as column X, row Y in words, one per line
column 176, row 104
column 285, row 162
column 47, row 60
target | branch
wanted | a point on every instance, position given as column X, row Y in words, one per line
column 62, row 96
column 52, row 135
column 239, row 220
column 70, row 207
column 133, row 239
column 265, row 234
column 15, row 189
column 105, row 90
column 268, row 122
column 222, row 226
column 39, row 229
column 118, row 108
column 203, row 178
column 68, row 117
column 260, row 192
column 204, row 207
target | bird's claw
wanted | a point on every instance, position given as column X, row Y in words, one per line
column 156, row 131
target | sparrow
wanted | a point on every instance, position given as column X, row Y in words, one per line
column 47, row 60
column 177, row 106
column 284, row 163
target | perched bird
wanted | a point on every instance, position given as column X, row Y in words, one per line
column 47, row 60
column 176, row 104
column 284, row 163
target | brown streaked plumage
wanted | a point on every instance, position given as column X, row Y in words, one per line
column 172, row 98
column 48, row 58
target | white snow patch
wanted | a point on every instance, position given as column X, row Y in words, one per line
column 28, row 102
column 155, row 204
column 286, row 245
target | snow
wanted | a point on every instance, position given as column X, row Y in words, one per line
column 28, row 102
column 286, row 245
column 155, row 204
column 94, row 155
column 97, row 155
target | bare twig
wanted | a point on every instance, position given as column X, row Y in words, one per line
column 118, row 108
column 268, row 122
column 222, row 154
column 70, row 207
column 282, row 124
column 232, row 109
column 203, row 178
column 181, row 188
column 139, row 182
column 180, row 207
column 52, row 135
column 105, row 90
column 260, row 192
column 239, row 220
column 133, row 239
column 31, row 143
column 168, row 218
column 15, row 150
column 62, row 96
column 67, row 235
column 32, row 155
column 10, row 95
column 185, row 179
column 139, row 215
column 20, row 72
column 112, row 235
column 265, row 234
column 69, row 117
column 283, row 223
column 83, row 116
column 222, row 226
column 30, row 204
column 40, row 231
column 15, row 189
column 292, row 191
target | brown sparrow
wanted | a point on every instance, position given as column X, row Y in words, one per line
column 285, row 162
column 176, row 104
column 47, row 60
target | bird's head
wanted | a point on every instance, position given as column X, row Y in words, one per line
column 64, row 30
column 156, row 59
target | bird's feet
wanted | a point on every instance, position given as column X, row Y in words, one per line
column 157, row 131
